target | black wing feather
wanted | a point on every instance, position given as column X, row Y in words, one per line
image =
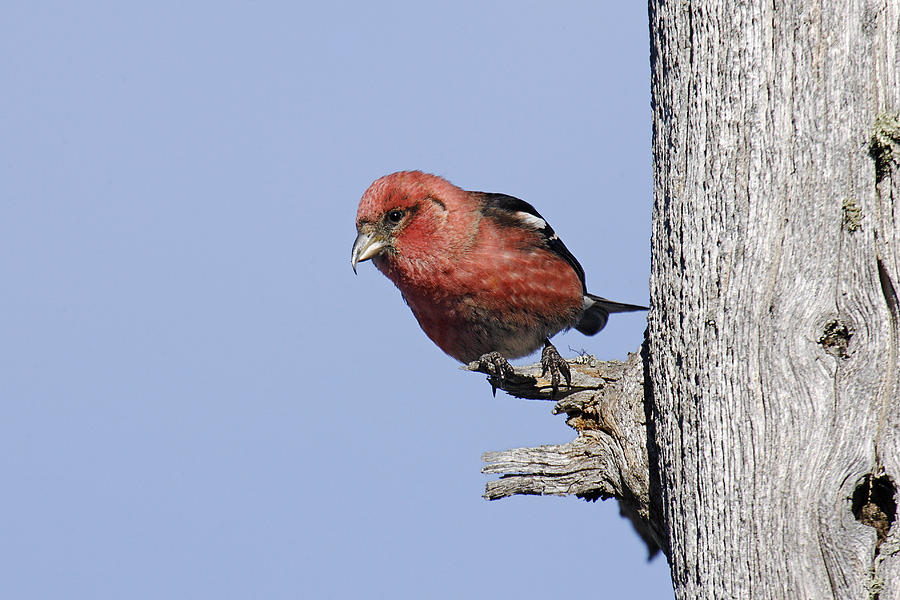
column 503, row 209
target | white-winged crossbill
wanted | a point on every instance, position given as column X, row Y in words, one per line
column 484, row 274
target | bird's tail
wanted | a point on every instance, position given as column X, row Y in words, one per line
column 597, row 311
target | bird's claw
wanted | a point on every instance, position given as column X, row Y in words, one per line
column 556, row 365
column 497, row 368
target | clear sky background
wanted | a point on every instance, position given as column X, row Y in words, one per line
column 198, row 399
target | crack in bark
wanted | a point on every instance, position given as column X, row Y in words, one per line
column 874, row 505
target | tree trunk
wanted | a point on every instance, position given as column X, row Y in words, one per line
column 763, row 454
column 773, row 333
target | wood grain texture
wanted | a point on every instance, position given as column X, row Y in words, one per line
column 773, row 332
column 608, row 458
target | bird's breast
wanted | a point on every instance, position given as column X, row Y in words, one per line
column 508, row 301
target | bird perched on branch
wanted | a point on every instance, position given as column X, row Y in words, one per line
column 484, row 274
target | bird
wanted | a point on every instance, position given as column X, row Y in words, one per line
column 485, row 275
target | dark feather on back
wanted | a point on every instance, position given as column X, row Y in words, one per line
column 503, row 208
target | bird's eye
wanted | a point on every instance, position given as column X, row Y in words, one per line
column 395, row 216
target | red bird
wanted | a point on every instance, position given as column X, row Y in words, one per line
column 484, row 274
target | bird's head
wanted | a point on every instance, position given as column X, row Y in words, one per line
column 405, row 215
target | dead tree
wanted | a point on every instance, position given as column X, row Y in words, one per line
column 756, row 437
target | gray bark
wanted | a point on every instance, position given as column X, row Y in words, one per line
column 773, row 333
column 605, row 405
column 770, row 419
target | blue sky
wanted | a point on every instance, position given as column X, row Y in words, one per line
column 199, row 398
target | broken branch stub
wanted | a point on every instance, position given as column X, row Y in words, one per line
column 607, row 459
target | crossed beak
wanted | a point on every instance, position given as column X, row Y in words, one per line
column 366, row 246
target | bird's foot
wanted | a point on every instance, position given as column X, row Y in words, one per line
column 556, row 365
column 497, row 368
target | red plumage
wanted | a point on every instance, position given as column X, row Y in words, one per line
column 482, row 273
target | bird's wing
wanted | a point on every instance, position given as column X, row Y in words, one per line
column 513, row 212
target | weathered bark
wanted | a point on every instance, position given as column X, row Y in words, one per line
column 605, row 405
column 773, row 333
column 773, row 355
